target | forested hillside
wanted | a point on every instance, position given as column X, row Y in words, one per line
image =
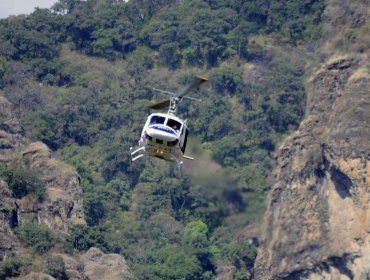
column 80, row 76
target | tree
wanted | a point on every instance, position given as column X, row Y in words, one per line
column 242, row 254
column 103, row 44
column 139, row 62
column 169, row 55
column 206, row 32
column 83, row 237
column 80, row 24
column 227, row 80
column 174, row 263
column 195, row 234
column 101, row 201
column 32, row 37
column 152, row 197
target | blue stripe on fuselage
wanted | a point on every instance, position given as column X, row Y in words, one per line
column 163, row 128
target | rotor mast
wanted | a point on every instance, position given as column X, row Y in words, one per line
column 174, row 100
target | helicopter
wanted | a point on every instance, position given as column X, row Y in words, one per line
column 165, row 135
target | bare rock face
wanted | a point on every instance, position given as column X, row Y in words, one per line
column 317, row 222
column 226, row 272
column 37, row 276
column 97, row 265
column 11, row 141
column 63, row 203
column 63, row 206
column 9, row 244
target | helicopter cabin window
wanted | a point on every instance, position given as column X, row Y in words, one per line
column 157, row 120
column 174, row 124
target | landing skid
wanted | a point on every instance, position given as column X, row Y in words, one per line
column 135, row 155
column 142, row 152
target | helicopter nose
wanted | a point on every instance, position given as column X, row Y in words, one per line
column 163, row 134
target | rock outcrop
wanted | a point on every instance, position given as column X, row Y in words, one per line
column 61, row 208
column 97, row 265
column 9, row 244
column 11, row 141
column 317, row 222
column 37, row 276
column 64, row 204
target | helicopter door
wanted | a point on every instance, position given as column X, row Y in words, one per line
column 185, row 140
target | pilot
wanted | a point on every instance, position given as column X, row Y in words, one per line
column 175, row 128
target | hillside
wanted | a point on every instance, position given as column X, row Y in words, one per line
column 75, row 86
column 317, row 220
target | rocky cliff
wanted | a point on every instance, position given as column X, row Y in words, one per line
column 61, row 207
column 317, row 222
column 63, row 204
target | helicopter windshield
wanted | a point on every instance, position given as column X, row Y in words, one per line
column 174, row 124
column 157, row 120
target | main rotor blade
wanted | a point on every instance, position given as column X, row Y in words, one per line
column 191, row 86
column 160, row 105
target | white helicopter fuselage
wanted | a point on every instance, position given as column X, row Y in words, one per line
column 164, row 136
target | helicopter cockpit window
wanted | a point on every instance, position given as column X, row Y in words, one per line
column 157, row 120
column 174, row 124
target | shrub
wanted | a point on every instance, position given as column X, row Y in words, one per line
column 227, row 79
column 83, row 237
column 22, row 181
column 12, row 267
column 39, row 237
column 196, row 233
column 241, row 254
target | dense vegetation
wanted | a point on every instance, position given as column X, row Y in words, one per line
column 39, row 237
column 12, row 267
column 80, row 75
column 22, row 181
